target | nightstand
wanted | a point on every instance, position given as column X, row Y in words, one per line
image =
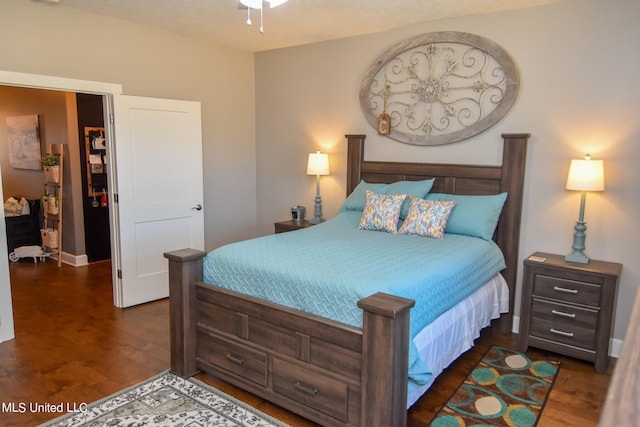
column 568, row 308
column 290, row 225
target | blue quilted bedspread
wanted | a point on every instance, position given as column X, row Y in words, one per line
column 327, row 268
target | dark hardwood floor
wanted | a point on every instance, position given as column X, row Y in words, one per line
column 73, row 346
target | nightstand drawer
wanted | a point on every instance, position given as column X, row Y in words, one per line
column 571, row 291
column 563, row 333
column 563, row 315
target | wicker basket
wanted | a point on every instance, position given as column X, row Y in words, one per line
column 49, row 237
column 49, row 204
column 52, row 174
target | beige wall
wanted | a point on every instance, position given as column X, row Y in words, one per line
column 51, row 110
column 64, row 42
column 579, row 93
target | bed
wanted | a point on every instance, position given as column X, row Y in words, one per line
column 340, row 373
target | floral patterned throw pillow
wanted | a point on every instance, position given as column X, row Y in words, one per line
column 427, row 218
column 381, row 212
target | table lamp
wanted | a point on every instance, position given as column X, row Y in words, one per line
column 317, row 165
column 584, row 175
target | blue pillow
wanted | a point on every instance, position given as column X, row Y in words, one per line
column 357, row 198
column 417, row 189
column 475, row 216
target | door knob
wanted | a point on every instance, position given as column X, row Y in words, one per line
column 197, row 207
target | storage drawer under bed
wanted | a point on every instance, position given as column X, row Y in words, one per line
column 321, row 392
column 236, row 358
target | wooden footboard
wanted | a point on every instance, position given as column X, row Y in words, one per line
column 326, row 371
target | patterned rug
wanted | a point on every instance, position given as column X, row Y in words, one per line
column 167, row 400
column 506, row 388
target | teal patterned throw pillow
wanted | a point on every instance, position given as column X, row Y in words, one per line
column 381, row 212
column 427, row 218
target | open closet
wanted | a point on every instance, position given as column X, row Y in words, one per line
column 93, row 169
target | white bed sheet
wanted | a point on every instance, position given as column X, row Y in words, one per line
column 454, row 331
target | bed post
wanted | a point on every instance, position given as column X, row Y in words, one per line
column 512, row 181
column 185, row 269
column 355, row 155
column 385, row 360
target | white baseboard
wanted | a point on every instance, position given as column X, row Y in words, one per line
column 515, row 328
column 7, row 331
column 75, row 260
column 615, row 345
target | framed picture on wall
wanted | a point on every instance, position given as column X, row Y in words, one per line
column 23, row 135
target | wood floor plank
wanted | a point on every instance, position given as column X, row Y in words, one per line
column 72, row 345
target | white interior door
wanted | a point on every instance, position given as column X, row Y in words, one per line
column 158, row 182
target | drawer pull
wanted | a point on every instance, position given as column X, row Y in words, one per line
column 562, row 333
column 563, row 314
column 565, row 290
column 305, row 389
column 234, row 359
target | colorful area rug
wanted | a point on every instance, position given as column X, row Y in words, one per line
column 506, row 388
column 167, row 400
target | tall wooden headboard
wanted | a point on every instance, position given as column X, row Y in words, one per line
column 461, row 179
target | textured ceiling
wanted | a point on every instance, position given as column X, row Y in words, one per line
column 294, row 23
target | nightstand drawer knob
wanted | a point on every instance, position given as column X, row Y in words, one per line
column 563, row 314
column 565, row 290
column 562, row 333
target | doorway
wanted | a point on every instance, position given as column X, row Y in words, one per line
column 56, row 126
column 55, row 84
column 63, row 118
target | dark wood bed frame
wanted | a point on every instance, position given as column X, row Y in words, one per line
column 329, row 372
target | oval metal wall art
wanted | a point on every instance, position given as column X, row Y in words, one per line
column 440, row 88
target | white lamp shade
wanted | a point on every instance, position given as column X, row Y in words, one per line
column 586, row 175
column 276, row 3
column 318, row 164
column 257, row 4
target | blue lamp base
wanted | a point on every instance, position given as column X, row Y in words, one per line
column 579, row 237
column 317, row 214
column 578, row 257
